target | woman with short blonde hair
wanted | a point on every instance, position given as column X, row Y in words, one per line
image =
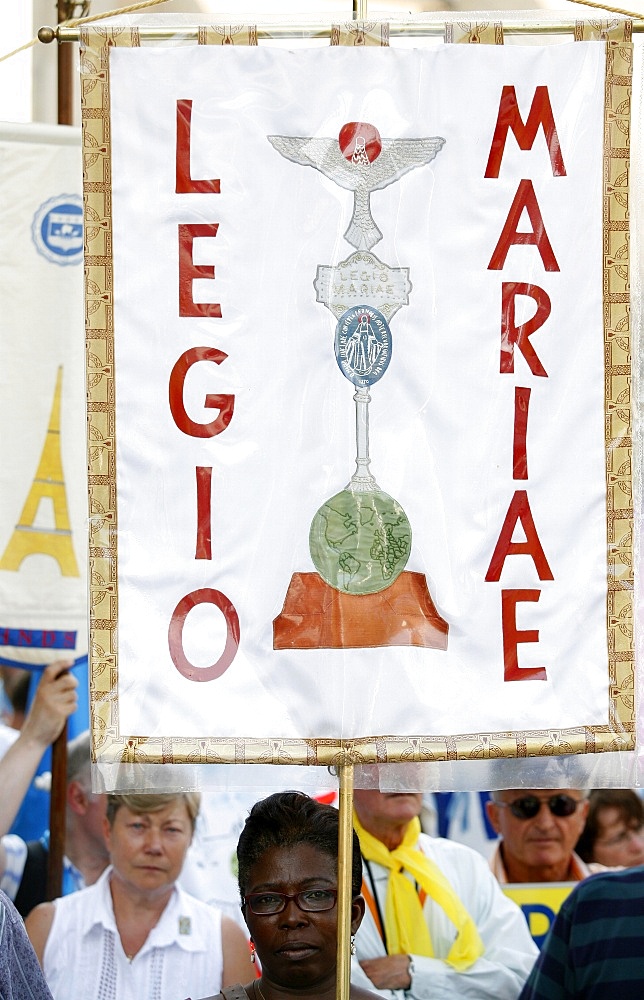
column 136, row 933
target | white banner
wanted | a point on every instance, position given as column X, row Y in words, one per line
column 43, row 505
column 361, row 437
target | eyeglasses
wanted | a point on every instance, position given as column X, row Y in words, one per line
column 622, row 838
column 310, row 901
column 528, row 806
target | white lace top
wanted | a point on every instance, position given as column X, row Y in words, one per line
column 84, row 958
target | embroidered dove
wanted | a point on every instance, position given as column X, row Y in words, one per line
column 362, row 162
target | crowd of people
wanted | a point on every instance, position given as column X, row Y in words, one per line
column 431, row 918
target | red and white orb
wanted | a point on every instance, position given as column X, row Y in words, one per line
column 360, row 139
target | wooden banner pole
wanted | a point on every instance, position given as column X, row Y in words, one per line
column 57, row 816
column 345, row 895
column 65, row 68
column 58, row 793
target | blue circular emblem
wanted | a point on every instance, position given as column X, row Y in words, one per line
column 362, row 345
column 57, row 229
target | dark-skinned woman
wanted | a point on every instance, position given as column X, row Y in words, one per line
column 288, row 879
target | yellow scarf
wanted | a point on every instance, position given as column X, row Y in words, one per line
column 405, row 926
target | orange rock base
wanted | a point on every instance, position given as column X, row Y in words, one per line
column 316, row 616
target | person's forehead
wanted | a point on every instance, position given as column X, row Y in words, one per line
column 296, row 864
column 510, row 794
column 174, row 811
column 614, row 816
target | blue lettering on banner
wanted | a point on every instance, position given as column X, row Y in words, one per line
column 530, row 909
column 37, row 638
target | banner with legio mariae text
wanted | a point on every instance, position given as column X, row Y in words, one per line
column 359, row 411
column 43, row 499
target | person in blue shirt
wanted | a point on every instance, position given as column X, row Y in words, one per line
column 21, row 977
column 593, row 950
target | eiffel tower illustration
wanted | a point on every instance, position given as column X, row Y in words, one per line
column 49, row 482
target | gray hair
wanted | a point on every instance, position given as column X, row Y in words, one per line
column 79, row 758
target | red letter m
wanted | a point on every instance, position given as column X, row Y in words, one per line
column 510, row 118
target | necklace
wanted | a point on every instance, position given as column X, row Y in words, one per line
column 259, row 989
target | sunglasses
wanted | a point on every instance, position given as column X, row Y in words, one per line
column 528, row 806
column 311, row 901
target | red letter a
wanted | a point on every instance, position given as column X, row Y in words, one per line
column 519, row 510
column 524, row 198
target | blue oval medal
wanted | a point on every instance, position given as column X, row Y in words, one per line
column 362, row 345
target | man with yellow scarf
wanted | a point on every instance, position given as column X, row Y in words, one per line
column 437, row 924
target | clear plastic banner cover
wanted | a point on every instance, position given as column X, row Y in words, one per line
column 360, row 475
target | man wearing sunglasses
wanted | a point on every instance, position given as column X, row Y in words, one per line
column 539, row 828
column 437, row 924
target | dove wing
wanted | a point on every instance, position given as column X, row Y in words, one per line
column 398, row 156
column 319, row 152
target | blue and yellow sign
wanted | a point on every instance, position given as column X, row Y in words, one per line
column 540, row 903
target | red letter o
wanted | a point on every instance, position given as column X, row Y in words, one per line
column 175, row 634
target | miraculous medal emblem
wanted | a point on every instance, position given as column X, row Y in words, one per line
column 363, row 345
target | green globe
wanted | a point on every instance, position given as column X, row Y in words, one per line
column 360, row 542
